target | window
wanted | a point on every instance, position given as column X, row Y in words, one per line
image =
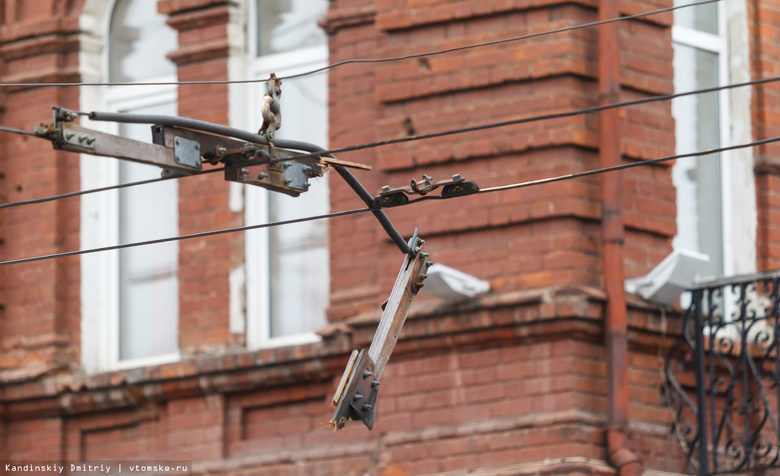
column 716, row 207
column 288, row 276
column 130, row 297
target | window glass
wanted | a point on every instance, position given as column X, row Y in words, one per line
column 148, row 308
column 140, row 41
column 286, row 25
column 698, row 180
column 148, row 281
column 300, row 274
column 288, row 276
column 703, row 18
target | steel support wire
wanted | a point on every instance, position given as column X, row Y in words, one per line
column 185, row 237
column 362, row 210
column 542, row 117
column 377, row 60
column 203, row 126
column 398, row 140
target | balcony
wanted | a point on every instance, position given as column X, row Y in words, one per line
column 722, row 377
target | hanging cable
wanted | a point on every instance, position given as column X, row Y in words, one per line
column 363, row 210
column 372, row 60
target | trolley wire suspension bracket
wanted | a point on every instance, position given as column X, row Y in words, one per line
column 356, row 395
column 180, row 151
column 180, row 158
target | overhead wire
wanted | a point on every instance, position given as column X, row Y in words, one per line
column 370, row 60
column 16, row 131
column 613, row 168
column 418, row 137
column 367, row 209
column 185, row 237
column 373, row 144
column 542, row 117
column 501, row 41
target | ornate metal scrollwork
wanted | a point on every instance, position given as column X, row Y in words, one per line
column 723, row 378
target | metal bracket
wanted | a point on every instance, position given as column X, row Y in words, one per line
column 357, row 393
column 393, row 197
column 186, row 151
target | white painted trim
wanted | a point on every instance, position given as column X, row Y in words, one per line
column 738, row 194
column 146, row 361
column 99, row 221
column 698, row 39
column 97, row 289
column 255, row 198
column 744, row 220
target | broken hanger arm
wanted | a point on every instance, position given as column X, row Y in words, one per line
column 356, row 394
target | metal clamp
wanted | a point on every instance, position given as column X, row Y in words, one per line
column 393, row 197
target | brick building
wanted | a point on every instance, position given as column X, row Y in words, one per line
column 226, row 350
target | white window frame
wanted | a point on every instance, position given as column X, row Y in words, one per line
column 99, row 220
column 738, row 196
column 258, row 319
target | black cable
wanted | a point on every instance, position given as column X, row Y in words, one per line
column 373, row 60
column 362, row 210
column 185, row 237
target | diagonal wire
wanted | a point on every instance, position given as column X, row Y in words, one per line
column 185, row 237
column 416, row 137
column 16, row 131
column 374, row 60
column 613, row 168
column 501, row 41
column 524, row 120
column 363, row 210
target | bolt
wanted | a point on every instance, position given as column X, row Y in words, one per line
column 386, row 188
column 69, row 135
column 457, row 178
column 357, row 397
column 262, row 175
column 375, row 384
column 82, row 138
column 91, row 141
column 244, row 173
column 221, row 149
column 366, row 407
column 367, row 374
column 176, row 141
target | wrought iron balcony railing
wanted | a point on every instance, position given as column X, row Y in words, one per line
column 722, row 379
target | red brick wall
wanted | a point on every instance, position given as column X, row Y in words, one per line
column 506, row 380
column 40, row 325
column 763, row 23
